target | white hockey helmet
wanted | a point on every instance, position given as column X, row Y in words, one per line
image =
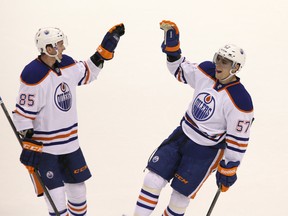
column 233, row 53
column 49, row 36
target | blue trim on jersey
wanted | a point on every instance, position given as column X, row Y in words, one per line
column 66, row 61
column 241, row 97
column 209, row 68
column 61, row 142
column 212, row 138
column 80, row 82
column 180, row 70
column 235, row 149
column 25, row 111
column 237, row 138
column 56, row 131
column 34, row 72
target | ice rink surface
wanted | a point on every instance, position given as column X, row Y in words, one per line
column 136, row 103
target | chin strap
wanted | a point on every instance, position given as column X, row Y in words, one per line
column 231, row 73
column 53, row 56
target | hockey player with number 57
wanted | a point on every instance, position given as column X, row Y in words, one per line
column 46, row 117
column 213, row 134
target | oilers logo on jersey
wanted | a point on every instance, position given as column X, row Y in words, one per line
column 203, row 106
column 63, row 97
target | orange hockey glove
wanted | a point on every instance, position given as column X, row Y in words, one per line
column 31, row 154
column 110, row 41
column 171, row 44
column 226, row 174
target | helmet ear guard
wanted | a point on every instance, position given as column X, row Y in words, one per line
column 49, row 36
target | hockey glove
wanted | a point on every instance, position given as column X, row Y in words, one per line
column 171, row 44
column 226, row 174
column 110, row 41
column 31, row 154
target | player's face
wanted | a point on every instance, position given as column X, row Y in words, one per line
column 60, row 48
column 223, row 67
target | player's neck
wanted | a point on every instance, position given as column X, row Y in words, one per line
column 227, row 81
column 50, row 61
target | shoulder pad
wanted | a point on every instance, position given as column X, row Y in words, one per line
column 208, row 68
column 240, row 97
column 34, row 72
column 66, row 61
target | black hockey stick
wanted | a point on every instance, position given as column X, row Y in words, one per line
column 35, row 170
column 214, row 200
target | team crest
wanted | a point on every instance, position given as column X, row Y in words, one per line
column 49, row 174
column 63, row 97
column 203, row 107
column 155, row 159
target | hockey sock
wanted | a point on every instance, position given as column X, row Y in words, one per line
column 177, row 205
column 76, row 194
column 59, row 199
column 149, row 194
column 77, row 209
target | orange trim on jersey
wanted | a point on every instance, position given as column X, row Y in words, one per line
column 88, row 73
column 147, row 200
column 236, row 143
column 179, row 76
column 214, row 79
column 214, row 166
column 15, row 111
column 236, row 104
column 56, row 137
column 71, row 65
column 34, row 84
column 77, row 209
column 165, row 213
column 228, row 85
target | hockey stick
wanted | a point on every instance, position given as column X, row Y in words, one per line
column 35, row 169
column 214, row 200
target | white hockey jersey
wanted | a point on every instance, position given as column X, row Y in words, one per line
column 47, row 102
column 217, row 112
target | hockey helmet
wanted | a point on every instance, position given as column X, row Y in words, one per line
column 233, row 53
column 49, row 36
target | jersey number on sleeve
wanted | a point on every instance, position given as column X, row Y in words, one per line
column 26, row 99
column 243, row 126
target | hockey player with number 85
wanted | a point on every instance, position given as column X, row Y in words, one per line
column 46, row 117
column 213, row 134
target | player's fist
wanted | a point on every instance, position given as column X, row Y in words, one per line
column 226, row 174
column 31, row 154
column 171, row 44
column 110, row 41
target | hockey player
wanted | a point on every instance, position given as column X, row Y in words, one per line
column 213, row 134
column 46, row 117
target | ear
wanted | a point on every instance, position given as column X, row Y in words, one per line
column 236, row 68
column 50, row 49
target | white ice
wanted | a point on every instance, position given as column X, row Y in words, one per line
column 136, row 103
